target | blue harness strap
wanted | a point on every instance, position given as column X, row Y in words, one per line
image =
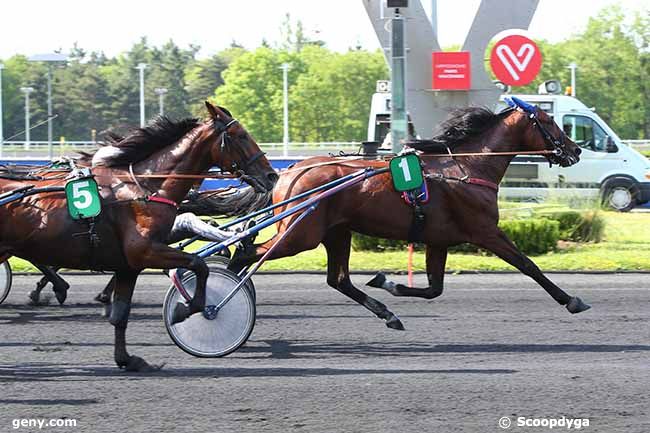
column 414, row 197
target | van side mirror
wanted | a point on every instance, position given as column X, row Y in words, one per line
column 610, row 147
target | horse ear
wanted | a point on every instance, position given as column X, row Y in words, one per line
column 214, row 112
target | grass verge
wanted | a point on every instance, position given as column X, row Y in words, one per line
column 626, row 247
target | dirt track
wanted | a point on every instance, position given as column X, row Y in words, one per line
column 491, row 346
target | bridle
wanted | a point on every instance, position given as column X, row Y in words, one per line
column 222, row 128
column 553, row 143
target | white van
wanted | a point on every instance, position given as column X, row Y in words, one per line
column 608, row 169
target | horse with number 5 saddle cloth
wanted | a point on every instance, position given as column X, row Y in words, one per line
column 111, row 221
column 462, row 167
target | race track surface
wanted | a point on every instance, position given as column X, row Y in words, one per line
column 491, row 346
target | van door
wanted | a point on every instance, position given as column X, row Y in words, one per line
column 595, row 162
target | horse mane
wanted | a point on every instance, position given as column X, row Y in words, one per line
column 462, row 125
column 139, row 143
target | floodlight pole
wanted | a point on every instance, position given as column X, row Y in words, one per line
column 2, row 139
column 573, row 68
column 160, row 91
column 285, row 78
column 141, row 67
column 398, row 121
column 50, row 152
column 27, row 91
column 49, row 59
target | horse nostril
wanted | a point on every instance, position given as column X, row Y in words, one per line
column 273, row 177
column 578, row 151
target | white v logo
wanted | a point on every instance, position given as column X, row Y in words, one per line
column 512, row 61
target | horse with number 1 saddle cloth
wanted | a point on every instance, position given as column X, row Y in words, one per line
column 462, row 207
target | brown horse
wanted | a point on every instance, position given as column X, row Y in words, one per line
column 128, row 236
column 462, row 205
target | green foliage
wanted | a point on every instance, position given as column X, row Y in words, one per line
column 329, row 92
column 532, row 236
column 613, row 74
column 575, row 226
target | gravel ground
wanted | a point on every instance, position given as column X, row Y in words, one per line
column 491, row 346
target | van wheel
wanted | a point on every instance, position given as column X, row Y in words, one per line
column 620, row 195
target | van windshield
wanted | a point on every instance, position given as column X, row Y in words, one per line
column 585, row 132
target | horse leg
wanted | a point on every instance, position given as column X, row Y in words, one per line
column 161, row 256
column 337, row 243
column 124, row 285
column 59, row 285
column 503, row 247
column 104, row 297
column 436, row 259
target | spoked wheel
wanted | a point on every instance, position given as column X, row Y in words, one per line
column 5, row 280
column 212, row 338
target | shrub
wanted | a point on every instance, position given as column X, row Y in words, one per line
column 370, row 243
column 532, row 236
column 576, row 226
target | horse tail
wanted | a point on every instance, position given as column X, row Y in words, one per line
column 225, row 202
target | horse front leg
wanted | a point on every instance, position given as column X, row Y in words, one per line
column 161, row 256
column 119, row 318
column 503, row 247
column 337, row 243
column 436, row 258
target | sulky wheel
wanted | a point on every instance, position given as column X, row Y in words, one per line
column 5, row 280
column 216, row 337
column 222, row 262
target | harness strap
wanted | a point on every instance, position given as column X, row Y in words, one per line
column 162, row 200
column 483, row 182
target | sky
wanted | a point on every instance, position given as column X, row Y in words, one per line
column 41, row 26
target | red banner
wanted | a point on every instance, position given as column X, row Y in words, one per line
column 451, row 70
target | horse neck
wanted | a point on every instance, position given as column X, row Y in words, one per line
column 505, row 137
column 191, row 155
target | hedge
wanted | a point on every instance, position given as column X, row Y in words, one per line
column 534, row 236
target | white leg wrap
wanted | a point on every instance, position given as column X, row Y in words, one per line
column 190, row 222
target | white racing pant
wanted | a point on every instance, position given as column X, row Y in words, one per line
column 188, row 225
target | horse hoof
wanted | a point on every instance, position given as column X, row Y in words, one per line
column 34, row 297
column 378, row 281
column 102, row 298
column 181, row 312
column 139, row 365
column 61, row 293
column 395, row 323
column 576, row 305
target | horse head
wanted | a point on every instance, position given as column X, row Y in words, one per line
column 236, row 151
column 544, row 134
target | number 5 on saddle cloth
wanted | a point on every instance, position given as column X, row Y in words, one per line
column 82, row 195
column 406, row 171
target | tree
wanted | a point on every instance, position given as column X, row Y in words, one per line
column 333, row 96
column 252, row 90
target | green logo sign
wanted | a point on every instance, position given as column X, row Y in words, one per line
column 406, row 172
column 83, row 198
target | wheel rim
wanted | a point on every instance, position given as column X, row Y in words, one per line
column 212, row 338
column 5, row 280
column 620, row 198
